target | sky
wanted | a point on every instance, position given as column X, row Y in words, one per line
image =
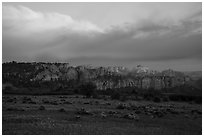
column 157, row 35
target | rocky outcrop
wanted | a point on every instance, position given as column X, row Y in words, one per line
column 103, row 77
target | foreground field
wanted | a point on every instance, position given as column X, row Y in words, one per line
column 80, row 115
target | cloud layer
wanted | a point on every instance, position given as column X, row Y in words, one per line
column 158, row 34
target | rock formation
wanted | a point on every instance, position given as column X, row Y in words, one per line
column 103, row 77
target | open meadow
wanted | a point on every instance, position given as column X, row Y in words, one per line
column 76, row 114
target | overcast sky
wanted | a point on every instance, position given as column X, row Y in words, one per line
column 157, row 35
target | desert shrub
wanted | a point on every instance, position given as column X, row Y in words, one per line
column 10, row 100
column 62, row 110
column 115, row 95
column 146, row 97
column 150, row 94
column 165, row 99
column 32, row 102
column 41, row 108
column 87, row 89
column 15, row 109
column 53, row 103
column 123, row 98
column 198, row 100
column 174, row 98
column 95, row 94
column 157, row 99
column 134, row 92
column 67, row 102
column 185, row 98
column 122, row 106
column 83, row 111
column 8, row 88
column 76, row 91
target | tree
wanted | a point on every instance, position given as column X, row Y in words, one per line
column 87, row 89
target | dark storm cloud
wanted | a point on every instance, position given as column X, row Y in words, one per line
column 36, row 36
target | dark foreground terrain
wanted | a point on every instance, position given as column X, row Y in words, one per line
column 79, row 115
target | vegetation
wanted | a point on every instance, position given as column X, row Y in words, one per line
column 17, row 79
column 89, row 116
column 87, row 89
column 75, row 106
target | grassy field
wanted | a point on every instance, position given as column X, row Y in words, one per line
column 71, row 115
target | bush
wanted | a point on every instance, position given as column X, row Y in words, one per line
column 115, row 95
column 174, row 97
column 186, row 98
column 87, row 89
column 151, row 94
column 165, row 99
column 198, row 100
column 62, row 110
column 15, row 109
column 41, row 108
column 134, row 92
column 123, row 98
column 157, row 99
column 76, row 91
column 122, row 106
column 95, row 95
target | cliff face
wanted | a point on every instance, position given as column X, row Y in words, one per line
column 102, row 77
